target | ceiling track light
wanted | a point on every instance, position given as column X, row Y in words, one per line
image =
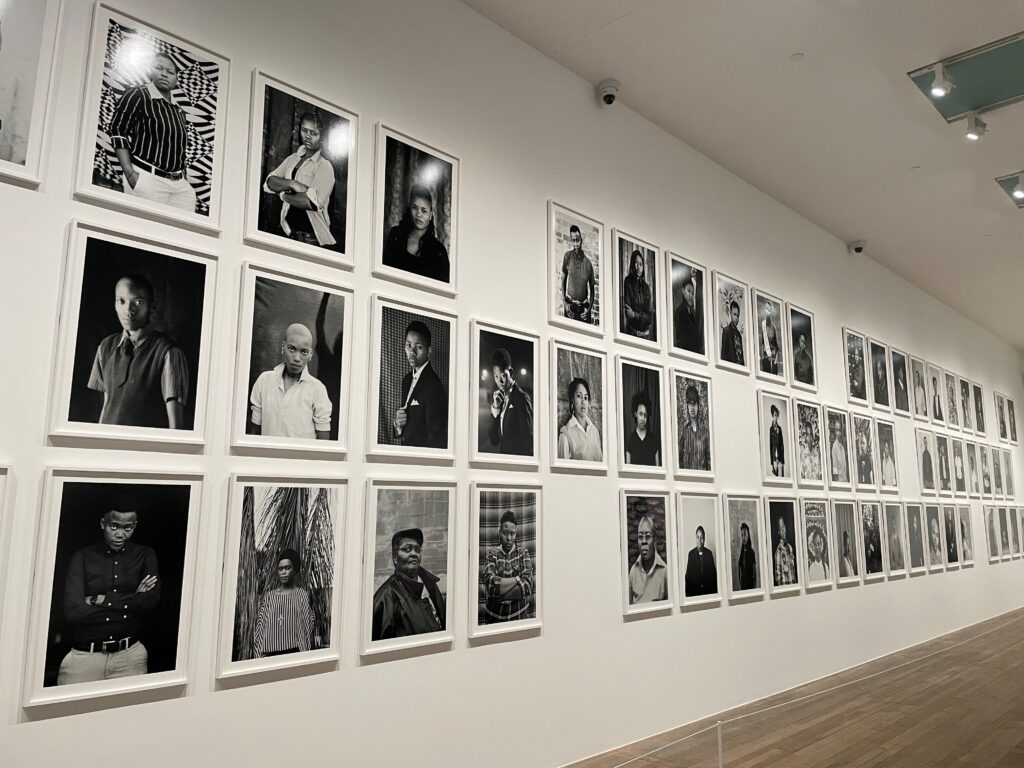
column 1018, row 191
column 943, row 82
column 976, row 127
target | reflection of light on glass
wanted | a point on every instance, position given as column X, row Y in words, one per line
column 135, row 55
column 522, row 371
column 337, row 140
column 483, row 375
column 429, row 175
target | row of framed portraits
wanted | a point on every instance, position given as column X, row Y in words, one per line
column 882, row 377
column 116, row 571
column 951, row 465
column 698, row 548
column 1004, row 532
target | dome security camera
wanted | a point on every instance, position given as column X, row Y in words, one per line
column 608, row 90
column 857, row 246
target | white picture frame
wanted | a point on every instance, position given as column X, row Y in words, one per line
column 1011, row 419
column 681, row 381
column 809, row 456
column 816, row 518
column 973, row 478
column 919, row 400
column 899, row 362
column 894, row 533
column 958, row 450
column 936, row 560
column 951, row 397
column 772, row 507
column 999, row 409
column 966, row 405
column 985, row 465
column 795, row 327
column 686, row 269
column 728, row 290
column 991, row 525
column 917, row 559
column 862, row 425
column 924, row 443
column 840, row 474
column 855, row 363
column 653, row 256
column 936, row 395
column 737, row 510
column 625, row 419
column 846, row 541
column 560, row 219
column 656, row 606
column 569, row 463
column 695, row 510
column 766, row 402
column 781, row 360
column 950, row 524
column 980, row 419
column 968, row 541
column 881, row 396
column 870, row 509
column 942, row 449
column 885, row 434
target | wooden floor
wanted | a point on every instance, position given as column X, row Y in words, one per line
column 961, row 707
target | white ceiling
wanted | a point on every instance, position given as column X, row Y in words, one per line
column 834, row 135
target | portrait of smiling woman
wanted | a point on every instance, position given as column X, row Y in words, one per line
column 578, row 407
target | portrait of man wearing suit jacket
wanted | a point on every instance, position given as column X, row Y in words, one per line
column 511, row 427
column 422, row 420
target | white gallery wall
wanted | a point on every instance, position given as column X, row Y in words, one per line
column 526, row 131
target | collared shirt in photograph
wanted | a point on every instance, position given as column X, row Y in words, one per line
column 785, row 564
column 139, row 372
column 152, row 128
column 514, row 564
column 284, row 623
column 99, row 570
column 301, row 411
column 317, row 174
column 575, row 442
column 648, row 586
column 579, row 276
column 693, row 448
column 840, row 468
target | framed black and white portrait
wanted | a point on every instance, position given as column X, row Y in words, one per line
column 925, row 443
column 408, row 563
column 505, row 564
column 838, row 450
column 951, row 536
column 902, row 393
column 112, row 600
column 302, row 172
column 732, row 349
column 742, row 536
column 30, row 29
column 648, row 567
column 777, row 448
column 153, row 123
column 855, row 350
column 578, row 407
column 1011, row 420
column 1008, row 484
column 936, row 395
column 780, row 521
column 803, row 343
column 810, row 459
column 693, row 417
column 984, row 460
column 641, row 417
column 816, row 547
column 293, row 367
column 973, row 469
column 935, row 543
column 915, row 538
column 847, row 541
column 966, row 535
column 991, row 521
column 998, row 491
column 504, row 424
column 575, row 270
column 688, row 303
column 1013, row 520
column 133, row 350
column 895, row 539
column 1001, row 428
column 959, row 466
column 943, row 472
column 769, row 331
column 637, row 265
column 416, row 223
column 881, row 390
column 888, row 473
column 919, row 390
column 963, row 387
column 412, row 381
column 978, row 396
column 1004, row 533
column 952, row 400
column 281, row 598
column 864, row 453
column 870, row 513
column 700, row 548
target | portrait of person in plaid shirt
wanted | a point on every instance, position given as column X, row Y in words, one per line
column 508, row 577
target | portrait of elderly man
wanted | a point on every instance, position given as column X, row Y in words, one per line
column 648, row 575
column 409, row 602
column 507, row 576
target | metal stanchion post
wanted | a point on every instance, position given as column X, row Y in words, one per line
column 721, row 759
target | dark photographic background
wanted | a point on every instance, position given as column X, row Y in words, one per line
column 917, row 367
column 800, row 324
column 855, row 366
column 162, row 525
column 846, row 522
column 521, row 351
column 282, row 114
column 744, row 511
column 683, row 273
column 179, row 286
column 278, row 304
column 569, row 365
column 650, row 276
column 879, row 357
column 776, row 315
column 638, row 379
column 493, row 504
column 815, row 521
column 405, row 166
column 636, row 507
column 915, row 536
column 979, row 409
column 683, row 382
column 901, row 397
column 965, row 404
column 787, row 511
column 871, row 527
column 894, row 524
column 952, row 546
column 394, row 364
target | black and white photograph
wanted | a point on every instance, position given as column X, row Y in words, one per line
column 700, row 548
column 916, row 539
column 417, row 210
column 1001, row 428
column 133, row 355
column 958, row 466
column 777, row 449
column 1011, row 420
column 963, row 387
column 153, row 122
column 920, row 388
column 731, row 323
column 641, row 414
column 888, row 475
column 935, row 549
column 302, row 153
column 991, row 521
column 113, row 592
column 412, row 363
column 997, row 473
column 810, row 465
column 26, row 69
column 925, row 442
column 966, row 535
column 838, row 449
column 689, row 307
column 1008, row 484
column 973, row 469
column 986, row 471
column 817, row 534
column 281, row 596
column 742, row 515
column 950, row 525
column 803, row 343
column 506, row 369
column 1011, row 515
column 578, row 407
column 847, row 541
column 978, row 396
column 407, row 565
column 881, row 396
column 952, row 398
column 637, row 290
column 1004, row 534
column 895, row 548
column 871, row 536
column 692, row 414
column 648, row 571
column 781, row 526
column 292, row 384
column 769, row 336
column 863, row 430
column 901, row 382
column 936, row 395
column 575, row 263
column 506, row 568
column 855, row 349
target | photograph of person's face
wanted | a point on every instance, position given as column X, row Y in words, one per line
column 417, row 350
column 734, row 314
column 580, row 401
column 163, row 73
column 640, row 416
column 285, row 571
column 310, row 133
column 406, row 557
column 133, row 302
column 118, row 528
column 689, row 294
column 421, row 209
column 645, row 539
column 297, row 348
column 576, row 239
column 699, row 535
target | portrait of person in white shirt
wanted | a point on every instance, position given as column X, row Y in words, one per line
column 289, row 401
column 579, row 438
